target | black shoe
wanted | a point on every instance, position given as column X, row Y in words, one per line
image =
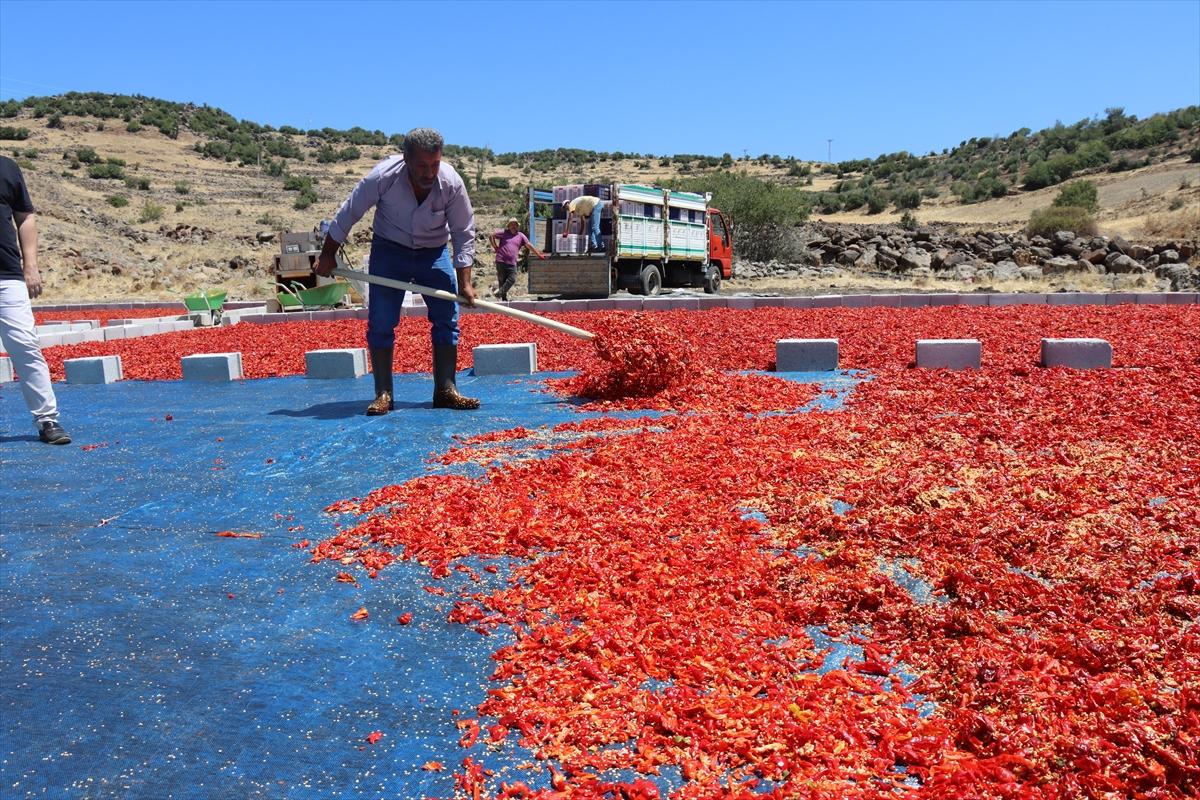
column 53, row 433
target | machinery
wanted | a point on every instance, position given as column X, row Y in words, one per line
column 299, row 287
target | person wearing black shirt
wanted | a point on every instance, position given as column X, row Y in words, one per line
column 20, row 281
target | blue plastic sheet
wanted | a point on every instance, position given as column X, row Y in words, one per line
column 143, row 656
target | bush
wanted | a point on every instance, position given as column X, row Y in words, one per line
column 87, row 155
column 1081, row 194
column 877, row 203
column 1195, row 155
column 116, row 201
column 907, row 198
column 292, row 183
column 54, row 121
column 9, row 133
column 102, row 171
column 31, row 152
column 275, row 168
column 272, row 221
column 120, row 162
column 151, row 212
column 141, row 184
column 133, row 126
column 764, row 213
column 1048, row 221
column 909, row 222
column 498, row 183
column 182, row 187
column 306, row 198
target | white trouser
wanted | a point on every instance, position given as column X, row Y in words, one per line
column 19, row 338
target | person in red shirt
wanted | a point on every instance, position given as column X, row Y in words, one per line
column 508, row 243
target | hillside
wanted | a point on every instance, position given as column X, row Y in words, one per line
column 138, row 196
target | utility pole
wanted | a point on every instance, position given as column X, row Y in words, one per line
column 745, row 154
column 830, row 150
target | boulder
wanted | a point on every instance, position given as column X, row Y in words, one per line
column 1030, row 273
column 1059, row 265
column 1180, row 276
column 848, row 258
column 866, row 260
column 1168, row 256
column 1095, row 256
column 965, row 272
column 1063, row 238
column 1098, row 243
column 1186, row 251
column 1119, row 263
column 265, row 236
column 1139, row 252
column 1001, row 252
column 915, row 258
column 1120, row 245
column 1007, row 271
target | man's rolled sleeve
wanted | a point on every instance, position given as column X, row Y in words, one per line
column 364, row 195
column 460, row 218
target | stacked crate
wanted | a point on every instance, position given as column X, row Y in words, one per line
column 563, row 195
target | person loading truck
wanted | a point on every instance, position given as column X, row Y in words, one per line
column 587, row 208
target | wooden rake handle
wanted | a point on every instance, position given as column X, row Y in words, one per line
column 561, row 327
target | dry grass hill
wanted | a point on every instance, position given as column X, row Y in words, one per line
column 174, row 219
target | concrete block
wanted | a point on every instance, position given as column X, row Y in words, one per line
column 52, row 327
column 1119, row 298
column 856, row 300
column 914, row 300
column 573, row 305
column 279, row 316
column 523, row 305
column 1183, row 298
column 102, row 369
column 133, row 331
column 212, row 367
column 705, row 303
column 331, row 364
column 95, row 335
column 801, row 303
column 770, row 302
column 944, row 300
column 6, row 370
column 827, row 301
column 150, row 328
column 343, row 313
column 202, row 319
column 1003, row 299
column 886, row 300
column 685, row 303
column 949, row 353
column 973, row 299
column 183, row 325
column 1031, row 299
column 84, row 324
column 114, row 322
column 49, row 340
column 627, row 303
column 547, row 306
column 601, row 305
column 1065, row 299
column 412, row 311
column 656, row 304
column 1091, row 298
column 1076, row 353
column 1152, row 298
column 250, row 319
column 113, row 333
column 743, row 303
column 806, row 355
column 72, row 337
column 362, row 313
column 505, row 359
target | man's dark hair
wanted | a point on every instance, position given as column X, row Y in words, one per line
column 427, row 140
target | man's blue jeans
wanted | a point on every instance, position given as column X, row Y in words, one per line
column 430, row 267
column 594, row 231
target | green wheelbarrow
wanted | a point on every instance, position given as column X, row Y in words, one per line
column 298, row 296
column 204, row 300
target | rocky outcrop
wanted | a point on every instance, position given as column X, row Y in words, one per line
column 980, row 255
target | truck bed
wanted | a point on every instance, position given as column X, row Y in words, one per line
column 571, row 275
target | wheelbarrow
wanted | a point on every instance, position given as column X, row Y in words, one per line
column 298, row 296
column 204, row 300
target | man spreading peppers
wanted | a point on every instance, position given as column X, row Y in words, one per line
column 420, row 205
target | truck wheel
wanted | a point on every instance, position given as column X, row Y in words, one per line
column 712, row 282
column 651, row 281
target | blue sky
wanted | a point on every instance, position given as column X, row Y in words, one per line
column 685, row 77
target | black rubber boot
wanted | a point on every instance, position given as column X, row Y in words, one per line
column 445, row 392
column 381, row 369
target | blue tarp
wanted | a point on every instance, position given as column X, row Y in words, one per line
column 128, row 668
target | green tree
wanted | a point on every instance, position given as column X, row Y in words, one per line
column 1080, row 194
